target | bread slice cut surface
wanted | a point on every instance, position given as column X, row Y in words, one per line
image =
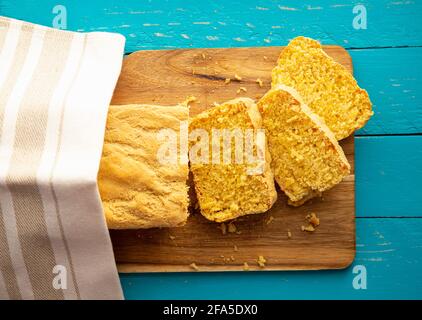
column 306, row 158
column 230, row 189
column 325, row 86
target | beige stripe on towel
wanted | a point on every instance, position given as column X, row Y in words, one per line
column 26, row 158
column 15, row 49
column 47, row 164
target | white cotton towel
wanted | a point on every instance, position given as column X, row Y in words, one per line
column 55, row 89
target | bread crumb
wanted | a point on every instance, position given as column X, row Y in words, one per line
column 188, row 100
column 194, row 266
column 245, row 266
column 261, row 261
column 269, row 220
column 227, row 81
column 172, row 237
column 196, row 206
column 232, row 227
column 289, row 234
column 313, row 222
column 241, row 89
column 259, row 81
column 265, row 58
column 215, row 104
column 231, row 258
column 203, row 56
column 313, row 219
column 308, row 228
column 239, row 232
column 237, row 77
column 193, row 71
column 235, row 248
column 223, row 228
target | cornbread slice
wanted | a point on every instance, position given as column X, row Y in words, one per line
column 325, row 86
column 306, row 158
column 138, row 191
column 227, row 190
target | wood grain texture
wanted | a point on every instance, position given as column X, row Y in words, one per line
column 168, row 77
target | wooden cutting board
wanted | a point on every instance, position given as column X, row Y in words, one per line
column 168, row 77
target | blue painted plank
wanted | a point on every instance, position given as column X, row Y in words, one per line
column 393, row 80
column 388, row 176
column 389, row 249
column 161, row 24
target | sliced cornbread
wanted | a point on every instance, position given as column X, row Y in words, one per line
column 305, row 157
column 138, row 191
column 325, row 86
column 227, row 190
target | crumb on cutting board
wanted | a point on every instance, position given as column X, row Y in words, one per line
column 235, row 248
column 194, row 266
column 172, row 237
column 237, row 77
column 313, row 219
column 223, row 228
column 227, row 81
column 241, row 89
column 188, row 100
column 289, row 234
column 259, row 82
column 313, row 222
column 261, row 261
column 245, row 266
column 231, row 227
column 269, row 220
column 308, row 228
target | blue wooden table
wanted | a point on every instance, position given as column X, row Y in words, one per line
column 387, row 58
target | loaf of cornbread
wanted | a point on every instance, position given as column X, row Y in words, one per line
column 305, row 156
column 325, row 86
column 227, row 190
column 137, row 191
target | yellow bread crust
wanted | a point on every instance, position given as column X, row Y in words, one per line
column 307, row 158
column 227, row 204
column 136, row 190
column 326, row 86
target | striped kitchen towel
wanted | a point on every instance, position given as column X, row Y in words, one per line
column 55, row 88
